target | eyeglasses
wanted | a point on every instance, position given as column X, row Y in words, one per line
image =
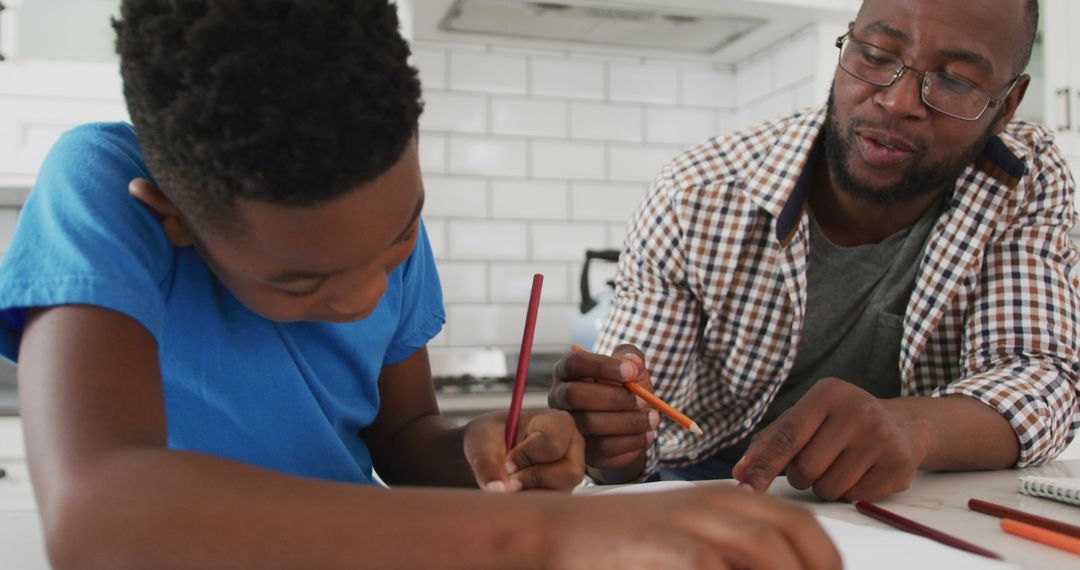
column 943, row 92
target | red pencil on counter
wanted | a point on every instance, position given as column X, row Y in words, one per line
column 1003, row 512
column 523, row 363
column 894, row 520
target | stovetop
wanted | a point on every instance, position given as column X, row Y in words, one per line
column 484, row 371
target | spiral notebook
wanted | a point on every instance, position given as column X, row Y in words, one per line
column 1066, row 490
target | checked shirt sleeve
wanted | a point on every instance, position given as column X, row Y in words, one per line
column 1020, row 342
column 653, row 307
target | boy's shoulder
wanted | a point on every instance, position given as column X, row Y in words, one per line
column 121, row 129
column 89, row 140
column 97, row 159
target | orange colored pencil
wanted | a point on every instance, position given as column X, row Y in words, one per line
column 662, row 406
column 1049, row 537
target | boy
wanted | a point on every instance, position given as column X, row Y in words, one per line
column 220, row 319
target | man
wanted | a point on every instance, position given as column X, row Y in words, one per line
column 855, row 293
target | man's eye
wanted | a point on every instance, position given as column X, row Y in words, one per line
column 878, row 59
column 955, row 85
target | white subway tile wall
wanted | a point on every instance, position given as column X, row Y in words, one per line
column 643, row 83
column 563, row 241
column 7, row 227
column 564, row 78
column 568, row 160
column 512, row 282
column 529, row 117
column 781, row 78
column 488, row 156
column 455, row 196
column 676, row 125
column 530, row 199
column 606, row 121
column 531, row 157
column 454, row 112
column 488, row 73
column 464, row 281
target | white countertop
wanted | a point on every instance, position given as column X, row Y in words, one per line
column 939, row 500
column 11, row 438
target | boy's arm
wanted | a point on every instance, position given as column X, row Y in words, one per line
column 409, row 420
column 411, row 444
column 112, row 495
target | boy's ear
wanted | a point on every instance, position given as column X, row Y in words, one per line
column 176, row 229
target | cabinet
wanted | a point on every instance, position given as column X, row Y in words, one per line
column 1061, row 57
column 58, row 71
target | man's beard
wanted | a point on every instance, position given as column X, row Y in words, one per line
column 920, row 179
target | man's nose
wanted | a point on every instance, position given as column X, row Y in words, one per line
column 904, row 97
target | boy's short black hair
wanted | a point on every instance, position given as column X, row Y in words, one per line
column 291, row 102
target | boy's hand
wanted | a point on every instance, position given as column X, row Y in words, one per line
column 549, row 454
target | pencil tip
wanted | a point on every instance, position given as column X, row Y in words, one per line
column 694, row 428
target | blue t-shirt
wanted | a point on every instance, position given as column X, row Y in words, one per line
column 287, row 396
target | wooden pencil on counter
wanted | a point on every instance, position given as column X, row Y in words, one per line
column 660, row 405
column 905, row 524
column 988, row 508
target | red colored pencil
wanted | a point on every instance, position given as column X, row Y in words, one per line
column 894, row 520
column 1007, row 513
column 523, row 363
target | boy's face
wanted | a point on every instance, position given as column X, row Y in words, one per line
column 327, row 262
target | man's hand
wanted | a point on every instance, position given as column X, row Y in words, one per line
column 616, row 424
column 840, row 440
column 549, row 453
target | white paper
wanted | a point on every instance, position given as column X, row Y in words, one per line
column 653, row 487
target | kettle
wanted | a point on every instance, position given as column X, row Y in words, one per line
column 585, row 326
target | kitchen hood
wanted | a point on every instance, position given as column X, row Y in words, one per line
column 599, row 24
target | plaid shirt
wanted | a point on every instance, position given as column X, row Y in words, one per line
column 711, row 285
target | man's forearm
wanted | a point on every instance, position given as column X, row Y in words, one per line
column 958, row 433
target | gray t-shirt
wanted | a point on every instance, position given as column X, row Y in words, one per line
column 855, row 303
